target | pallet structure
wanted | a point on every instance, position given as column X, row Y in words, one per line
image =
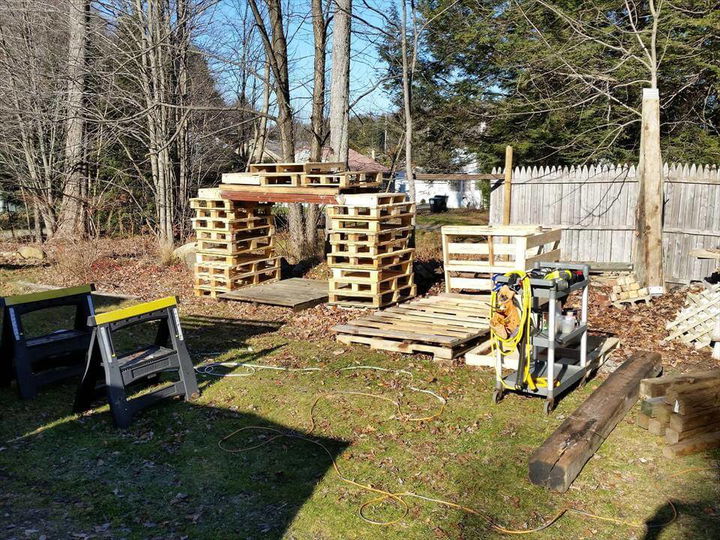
column 472, row 254
column 684, row 409
column 626, row 290
column 311, row 174
column 370, row 258
column 696, row 323
column 445, row 326
column 234, row 246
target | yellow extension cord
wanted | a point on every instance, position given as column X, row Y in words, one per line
column 399, row 497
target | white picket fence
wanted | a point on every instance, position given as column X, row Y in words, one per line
column 595, row 205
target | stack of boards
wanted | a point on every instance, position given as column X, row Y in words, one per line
column 627, row 290
column 685, row 409
column 301, row 175
column 371, row 258
column 234, row 246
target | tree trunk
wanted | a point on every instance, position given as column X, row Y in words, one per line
column 648, row 248
column 317, row 117
column 282, row 80
column 340, row 84
column 182, row 142
column 71, row 221
column 407, row 106
column 318, row 100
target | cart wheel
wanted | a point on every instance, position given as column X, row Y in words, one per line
column 497, row 396
column 549, row 406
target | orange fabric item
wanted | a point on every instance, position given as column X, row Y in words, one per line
column 506, row 319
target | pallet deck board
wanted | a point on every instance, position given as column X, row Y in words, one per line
column 295, row 293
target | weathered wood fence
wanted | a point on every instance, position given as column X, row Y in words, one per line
column 595, row 205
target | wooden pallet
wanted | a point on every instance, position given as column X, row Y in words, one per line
column 276, row 167
column 363, row 213
column 246, row 265
column 371, row 199
column 344, row 179
column 372, row 226
column 445, row 326
column 371, row 262
column 231, row 225
column 369, row 238
column 365, row 300
column 366, row 249
column 353, row 286
column 313, row 167
column 221, row 283
column 218, row 204
column 232, row 248
column 280, row 179
column 265, row 231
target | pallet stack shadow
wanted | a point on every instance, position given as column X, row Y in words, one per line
column 684, row 409
column 235, row 246
column 371, row 258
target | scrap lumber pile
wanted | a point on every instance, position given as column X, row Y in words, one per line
column 697, row 323
column 472, row 254
column 299, row 175
column 627, row 290
column 445, row 326
column 685, row 409
column 371, row 258
column 559, row 460
column 234, row 245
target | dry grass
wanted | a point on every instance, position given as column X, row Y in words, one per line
column 166, row 254
column 73, row 261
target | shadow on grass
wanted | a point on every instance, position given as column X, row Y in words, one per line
column 165, row 476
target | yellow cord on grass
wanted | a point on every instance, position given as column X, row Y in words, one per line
column 399, row 497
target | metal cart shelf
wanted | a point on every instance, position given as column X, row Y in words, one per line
column 560, row 358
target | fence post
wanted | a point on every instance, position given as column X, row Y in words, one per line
column 507, row 187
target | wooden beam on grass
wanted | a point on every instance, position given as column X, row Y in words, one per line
column 559, row 460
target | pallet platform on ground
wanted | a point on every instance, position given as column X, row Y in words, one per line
column 445, row 326
column 295, row 293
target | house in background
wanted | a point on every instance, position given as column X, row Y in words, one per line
column 460, row 193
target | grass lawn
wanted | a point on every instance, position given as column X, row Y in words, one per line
column 65, row 476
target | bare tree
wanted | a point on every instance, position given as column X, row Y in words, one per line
column 637, row 44
column 71, row 219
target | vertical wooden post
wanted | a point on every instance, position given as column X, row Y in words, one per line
column 507, row 188
column 649, row 252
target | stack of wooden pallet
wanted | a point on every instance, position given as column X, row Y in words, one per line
column 371, row 259
column 627, row 290
column 696, row 323
column 234, row 245
column 685, row 409
column 300, row 175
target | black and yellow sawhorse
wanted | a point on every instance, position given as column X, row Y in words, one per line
column 168, row 354
column 39, row 360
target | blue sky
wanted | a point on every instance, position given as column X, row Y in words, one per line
column 366, row 69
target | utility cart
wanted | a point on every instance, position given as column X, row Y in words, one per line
column 558, row 360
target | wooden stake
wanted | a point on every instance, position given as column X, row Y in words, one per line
column 507, row 196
